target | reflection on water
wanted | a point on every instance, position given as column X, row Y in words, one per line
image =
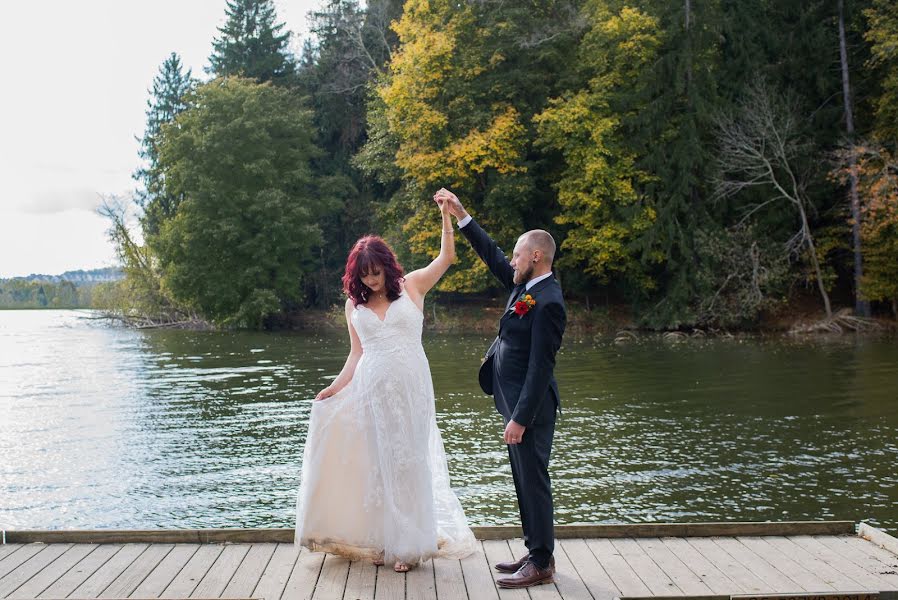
column 106, row 427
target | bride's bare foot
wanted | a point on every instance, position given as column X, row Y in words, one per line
column 379, row 561
column 401, row 567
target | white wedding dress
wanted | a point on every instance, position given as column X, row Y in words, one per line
column 374, row 476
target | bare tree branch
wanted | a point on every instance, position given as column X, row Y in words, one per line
column 758, row 148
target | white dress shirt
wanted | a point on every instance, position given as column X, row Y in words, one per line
column 536, row 280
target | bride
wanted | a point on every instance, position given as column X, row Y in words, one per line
column 375, row 484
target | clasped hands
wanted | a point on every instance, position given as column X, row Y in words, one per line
column 446, row 200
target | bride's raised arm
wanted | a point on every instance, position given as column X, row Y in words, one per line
column 355, row 353
column 419, row 282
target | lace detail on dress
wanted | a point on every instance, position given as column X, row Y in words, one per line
column 374, row 473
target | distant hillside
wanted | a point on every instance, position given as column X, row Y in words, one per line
column 72, row 289
column 79, row 277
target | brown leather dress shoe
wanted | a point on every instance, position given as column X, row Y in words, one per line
column 512, row 567
column 527, row 576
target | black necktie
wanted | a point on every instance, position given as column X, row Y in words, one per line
column 518, row 289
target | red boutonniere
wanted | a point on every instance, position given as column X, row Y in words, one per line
column 523, row 305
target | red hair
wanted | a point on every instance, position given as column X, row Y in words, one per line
column 371, row 253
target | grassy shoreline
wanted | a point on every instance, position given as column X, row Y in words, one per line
column 482, row 317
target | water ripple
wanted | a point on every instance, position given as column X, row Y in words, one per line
column 104, row 427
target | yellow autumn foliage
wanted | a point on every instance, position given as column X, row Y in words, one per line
column 597, row 191
column 443, row 136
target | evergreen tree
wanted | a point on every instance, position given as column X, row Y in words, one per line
column 252, row 44
column 167, row 100
column 882, row 35
column 674, row 143
column 353, row 46
column 42, row 297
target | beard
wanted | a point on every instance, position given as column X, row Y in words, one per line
column 523, row 276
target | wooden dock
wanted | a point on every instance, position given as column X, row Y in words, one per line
column 601, row 562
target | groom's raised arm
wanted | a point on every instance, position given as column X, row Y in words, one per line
column 488, row 251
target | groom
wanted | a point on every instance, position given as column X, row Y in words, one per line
column 518, row 373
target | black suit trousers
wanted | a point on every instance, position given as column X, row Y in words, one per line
column 530, row 470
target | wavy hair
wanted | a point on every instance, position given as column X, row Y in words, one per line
column 371, row 253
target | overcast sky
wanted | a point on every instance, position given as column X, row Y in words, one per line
column 74, row 88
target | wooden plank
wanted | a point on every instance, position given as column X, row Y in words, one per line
column 589, row 570
column 618, row 569
column 878, row 537
column 814, row 596
column 866, row 580
column 304, row 577
column 12, row 562
column 332, row 580
column 812, row 563
column 94, row 585
column 477, row 572
column 277, row 572
column 710, row 575
column 137, row 571
column 773, row 578
column 7, row 549
column 449, row 579
column 785, row 563
column 518, row 547
column 188, row 578
column 727, row 564
column 220, row 573
column 361, row 581
column 687, row 581
column 153, row 536
column 78, row 574
column 165, row 572
column 41, row 581
column 650, row 573
column 248, row 574
column 538, row 592
column 497, row 551
column 31, row 567
column 285, row 536
column 567, row 579
column 713, row 597
column 677, row 529
column 889, row 560
column 390, row 584
column 848, row 548
column 420, row 582
column 815, row 564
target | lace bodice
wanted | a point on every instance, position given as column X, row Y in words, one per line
column 400, row 329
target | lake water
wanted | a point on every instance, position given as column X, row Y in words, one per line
column 105, row 427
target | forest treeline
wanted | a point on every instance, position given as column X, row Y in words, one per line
column 702, row 163
column 96, row 288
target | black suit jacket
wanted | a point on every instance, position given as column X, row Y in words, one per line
column 518, row 370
